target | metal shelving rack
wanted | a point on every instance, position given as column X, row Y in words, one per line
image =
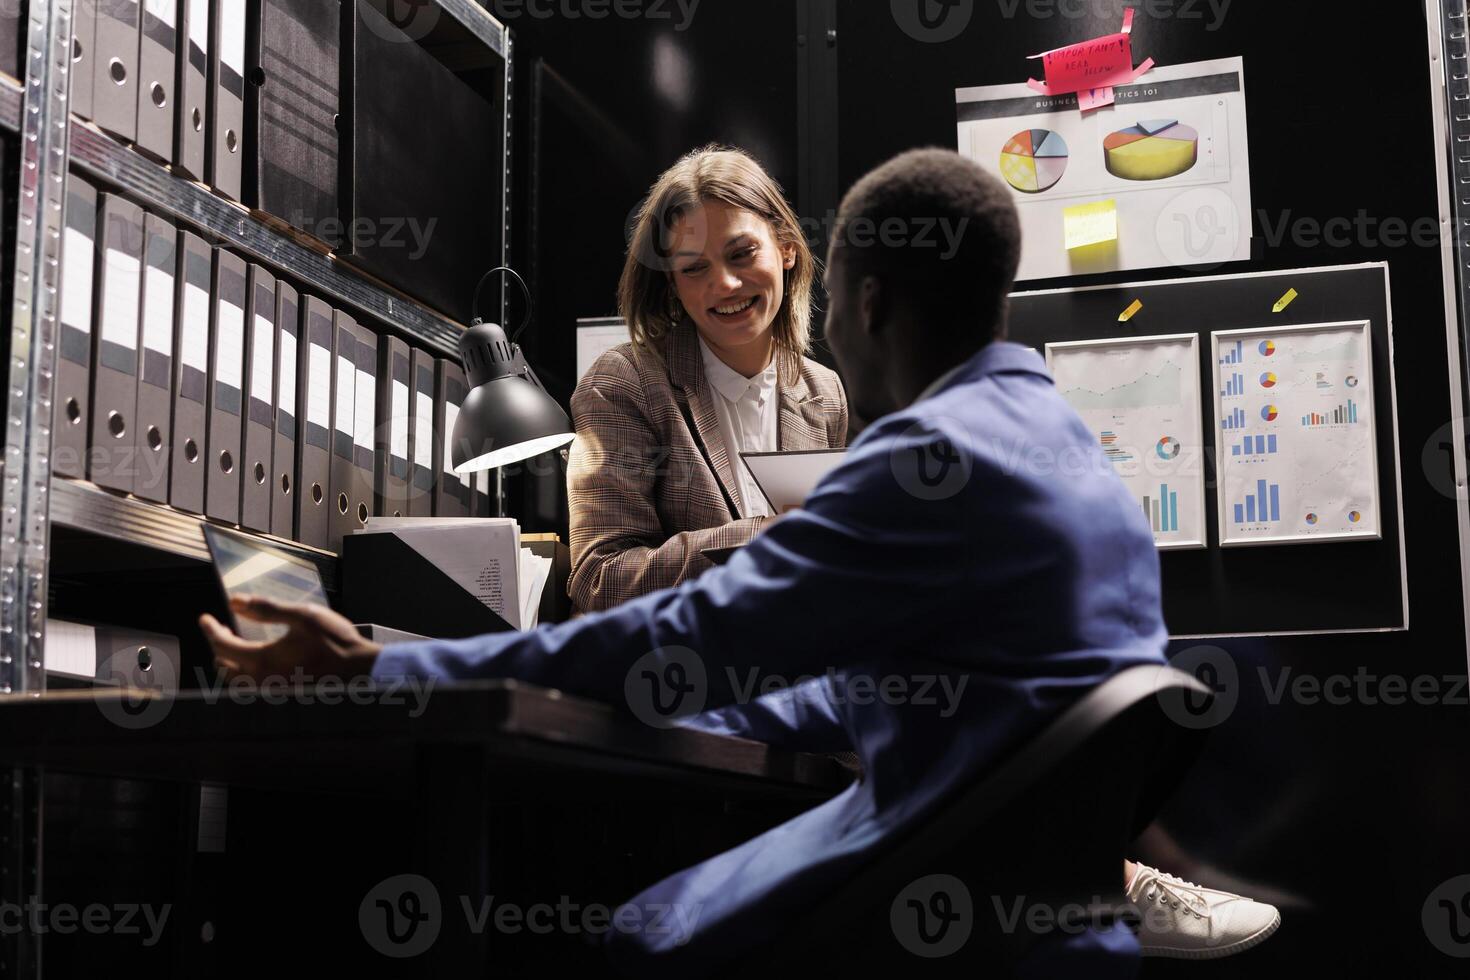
column 53, row 144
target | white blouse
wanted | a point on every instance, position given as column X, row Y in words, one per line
column 748, row 410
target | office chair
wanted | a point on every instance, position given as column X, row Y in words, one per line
column 1048, row 827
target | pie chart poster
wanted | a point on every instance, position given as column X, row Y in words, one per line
column 1172, row 152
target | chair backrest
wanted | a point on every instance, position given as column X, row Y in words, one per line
column 1046, row 829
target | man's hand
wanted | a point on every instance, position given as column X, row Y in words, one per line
column 320, row 643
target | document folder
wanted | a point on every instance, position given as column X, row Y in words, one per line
column 285, row 484
column 83, row 57
column 191, row 375
column 260, row 381
column 71, row 394
column 227, row 117
column 158, row 76
column 115, row 351
column 314, row 444
column 453, row 496
column 191, row 123
column 344, row 418
column 153, row 434
column 115, row 74
column 363, row 426
column 424, row 471
column 391, row 445
column 226, row 392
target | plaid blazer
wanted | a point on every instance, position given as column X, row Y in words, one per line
column 644, row 500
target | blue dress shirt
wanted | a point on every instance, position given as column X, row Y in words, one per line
column 972, row 568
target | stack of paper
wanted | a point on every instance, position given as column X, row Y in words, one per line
column 483, row 555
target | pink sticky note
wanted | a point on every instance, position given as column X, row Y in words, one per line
column 1091, row 68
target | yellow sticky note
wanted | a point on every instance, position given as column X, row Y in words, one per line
column 1133, row 308
column 1091, row 224
column 1284, row 301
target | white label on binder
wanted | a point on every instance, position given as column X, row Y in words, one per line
column 163, row 10
column 398, row 424
column 362, row 429
column 229, row 351
column 451, row 416
column 346, row 408
column 262, row 360
column 423, row 447
column 199, row 24
column 120, row 309
column 194, row 338
column 318, row 385
column 287, row 396
column 76, row 285
column 232, row 34
column 158, row 311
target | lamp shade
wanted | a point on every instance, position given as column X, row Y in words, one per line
column 507, row 416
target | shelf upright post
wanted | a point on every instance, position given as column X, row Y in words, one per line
column 25, row 478
column 31, row 350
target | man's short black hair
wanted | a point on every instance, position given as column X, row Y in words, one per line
column 943, row 237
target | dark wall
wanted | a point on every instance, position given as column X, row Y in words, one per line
column 1347, row 814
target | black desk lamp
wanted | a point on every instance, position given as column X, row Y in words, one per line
column 507, row 416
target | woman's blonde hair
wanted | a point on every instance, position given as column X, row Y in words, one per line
column 646, row 297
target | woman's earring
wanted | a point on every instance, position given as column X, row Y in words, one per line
column 676, row 309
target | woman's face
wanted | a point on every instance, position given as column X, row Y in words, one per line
column 728, row 272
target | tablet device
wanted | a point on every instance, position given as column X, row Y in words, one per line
column 245, row 566
column 787, row 478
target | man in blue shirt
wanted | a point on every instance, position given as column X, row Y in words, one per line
column 972, row 568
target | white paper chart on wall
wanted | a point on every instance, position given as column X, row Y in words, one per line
column 1295, row 434
column 1140, row 396
column 1171, row 155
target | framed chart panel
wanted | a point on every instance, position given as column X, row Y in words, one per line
column 1141, row 396
column 1295, row 442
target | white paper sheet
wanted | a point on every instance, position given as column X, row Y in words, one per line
column 1140, row 396
column 1295, row 441
column 1195, row 216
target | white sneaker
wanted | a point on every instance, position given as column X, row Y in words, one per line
column 1181, row 920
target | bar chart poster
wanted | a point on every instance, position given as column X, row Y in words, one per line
column 1295, row 440
column 1141, row 398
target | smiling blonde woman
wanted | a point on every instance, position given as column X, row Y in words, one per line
column 716, row 290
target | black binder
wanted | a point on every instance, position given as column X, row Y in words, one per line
column 431, row 238
column 72, row 397
column 260, row 421
column 153, row 434
column 158, row 76
column 191, row 121
column 423, row 469
column 115, row 74
column 391, row 473
column 227, row 88
column 365, row 397
column 226, row 394
column 344, row 417
column 314, row 443
column 291, row 106
column 115, row 349
column 191, row 374
column 285, row 484
column 452, row 498
column 83, row 57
